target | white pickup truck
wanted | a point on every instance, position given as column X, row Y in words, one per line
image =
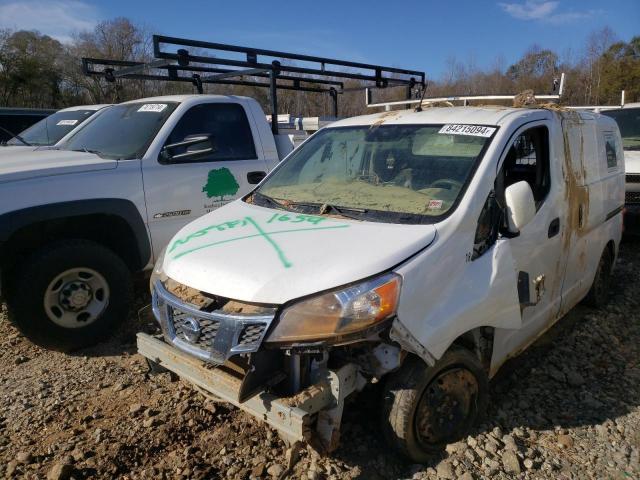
column 77, row 219
column 418, row 249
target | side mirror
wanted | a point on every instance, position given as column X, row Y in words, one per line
column 196, row 146
column 521, row 207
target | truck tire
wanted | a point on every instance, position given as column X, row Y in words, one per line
column 425, row 408
column 599, row 291
column 70, row 294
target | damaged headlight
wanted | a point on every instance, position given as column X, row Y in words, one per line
column 339, row 312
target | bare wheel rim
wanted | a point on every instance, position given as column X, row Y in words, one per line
column 447, row 407
column 76, row 298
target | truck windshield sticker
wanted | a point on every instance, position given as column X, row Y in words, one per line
column 153, row 107
column 220, row 182
column 470, row 130
column 67, row 122
column 261, row 232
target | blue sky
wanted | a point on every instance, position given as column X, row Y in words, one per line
column 417, row 35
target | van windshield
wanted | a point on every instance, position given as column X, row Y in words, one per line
column 51, row 129
column 121, row 132
column 389, row 173
column 628, row 120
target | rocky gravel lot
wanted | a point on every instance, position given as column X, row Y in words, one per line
column 569, row 407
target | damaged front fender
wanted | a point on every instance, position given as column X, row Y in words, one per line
column 448, row 297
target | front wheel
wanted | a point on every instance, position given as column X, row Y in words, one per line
column 425, row 408
column 70, row 294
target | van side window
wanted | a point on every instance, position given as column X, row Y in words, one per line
column 528, row 160
column 610, row 150
column 488, row 227
column 228, row 125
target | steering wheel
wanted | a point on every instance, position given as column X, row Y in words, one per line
column 447, row 184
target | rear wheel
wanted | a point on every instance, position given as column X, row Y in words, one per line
column 599, row 292
column 70, row 294
column 425, row 408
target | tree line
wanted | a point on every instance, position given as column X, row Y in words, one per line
column 41, row 72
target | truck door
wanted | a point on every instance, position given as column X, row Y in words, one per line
column 180, row 189
column 537, row 250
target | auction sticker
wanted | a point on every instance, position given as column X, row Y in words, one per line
column 471, row 130
column 434, row 205
column 153, row 107
column 67, row 122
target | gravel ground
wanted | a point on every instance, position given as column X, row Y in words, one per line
column 569, row 407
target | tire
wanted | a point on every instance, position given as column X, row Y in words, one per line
column 457, row 377
column 57, row 312
column 599, row 291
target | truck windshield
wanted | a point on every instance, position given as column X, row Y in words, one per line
column 50, row 130
column 389, row 173
column 122, row 132
column 628, row 120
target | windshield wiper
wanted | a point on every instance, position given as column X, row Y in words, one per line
column 16, row 136
column 327, row 208
column 86, row 150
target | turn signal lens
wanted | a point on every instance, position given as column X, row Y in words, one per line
column 340, row 312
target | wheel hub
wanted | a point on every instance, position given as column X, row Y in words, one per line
column 75, row 296
column 446, row 407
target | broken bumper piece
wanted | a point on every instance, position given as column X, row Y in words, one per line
column 312, row 416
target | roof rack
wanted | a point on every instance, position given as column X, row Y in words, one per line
column 209, row 64
column 599, row 108
column 465, row 99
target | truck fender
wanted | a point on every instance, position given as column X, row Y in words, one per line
column 13, row 221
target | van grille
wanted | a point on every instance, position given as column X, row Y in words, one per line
column 211, row 336
column 632, row 197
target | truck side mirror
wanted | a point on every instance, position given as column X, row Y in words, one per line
column 521, row 207
column 196, row 146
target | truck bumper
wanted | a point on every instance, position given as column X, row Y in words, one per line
column 632, row 219
column 312, row 416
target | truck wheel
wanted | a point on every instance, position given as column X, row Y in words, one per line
column 70, row 294
column 425, row 408
column 599, row 291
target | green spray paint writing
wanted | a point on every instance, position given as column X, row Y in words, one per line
column 249, row 221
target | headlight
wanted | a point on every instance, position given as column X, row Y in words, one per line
column 158, row 272
column 338, row 313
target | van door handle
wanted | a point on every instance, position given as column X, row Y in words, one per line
column 255, row 177
column 554, row 227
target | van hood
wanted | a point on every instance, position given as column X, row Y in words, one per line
column 13, row 149
column 632, row 161
column 26, row 164
column 256, row 254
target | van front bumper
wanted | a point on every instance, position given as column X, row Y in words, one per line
column 312, row 415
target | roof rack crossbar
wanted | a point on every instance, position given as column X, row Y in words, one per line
column 89, row 63
column 252, row 54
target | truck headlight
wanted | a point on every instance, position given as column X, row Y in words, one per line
column 339, row 312
column 158, row 273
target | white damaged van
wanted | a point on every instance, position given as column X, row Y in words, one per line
column 421, row 249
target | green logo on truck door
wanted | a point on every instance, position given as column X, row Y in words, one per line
column 220, row 183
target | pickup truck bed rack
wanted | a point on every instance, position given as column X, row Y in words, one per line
column 210, row 62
